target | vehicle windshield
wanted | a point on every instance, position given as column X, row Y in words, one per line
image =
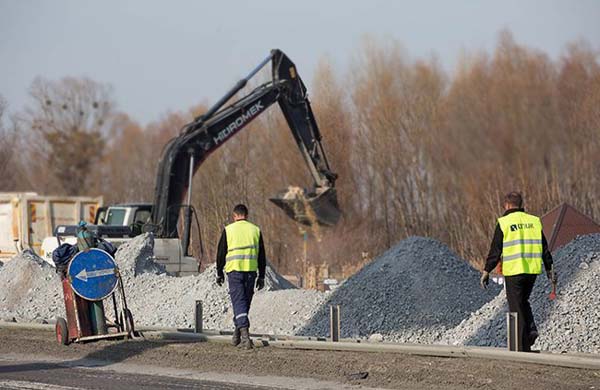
column 142, row 216
column 116, row 216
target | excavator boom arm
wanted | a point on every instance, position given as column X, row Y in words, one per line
column 183, row 154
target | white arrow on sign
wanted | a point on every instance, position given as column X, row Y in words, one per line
column 84, row 274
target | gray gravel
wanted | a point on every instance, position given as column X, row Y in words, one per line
column 30, row 289
column 418, row 291
column 569, row 323
column 414, row 292
column 136, row 257
column 156, row 298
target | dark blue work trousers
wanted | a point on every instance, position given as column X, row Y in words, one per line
column 241, row 290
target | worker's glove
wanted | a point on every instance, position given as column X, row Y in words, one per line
column 260, row 283
column 485, row 280
column 220, row 280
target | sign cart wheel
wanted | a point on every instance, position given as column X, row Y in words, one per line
column 62, row 332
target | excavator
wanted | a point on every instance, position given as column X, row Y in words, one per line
column 183, row 155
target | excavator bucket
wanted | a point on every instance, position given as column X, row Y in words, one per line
column 309, row 208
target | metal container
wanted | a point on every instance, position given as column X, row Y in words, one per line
column 27, row 218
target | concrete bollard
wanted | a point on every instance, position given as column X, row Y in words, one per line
column 334, row 322
column 198, row 317
column 512, row 327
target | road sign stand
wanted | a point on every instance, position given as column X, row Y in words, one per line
column 91, row 278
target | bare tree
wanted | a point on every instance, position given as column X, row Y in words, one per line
column 418, row 151
column 68, row 122
column 6, row 149
column 11, row 177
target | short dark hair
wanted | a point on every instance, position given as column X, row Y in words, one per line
column 514, row 199
column 241, row 210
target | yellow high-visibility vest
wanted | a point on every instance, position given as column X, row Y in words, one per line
column 242, row 246
column 522, row 244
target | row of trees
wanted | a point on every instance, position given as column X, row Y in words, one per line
column 419, row 151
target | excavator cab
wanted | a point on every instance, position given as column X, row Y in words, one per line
column 309, row 208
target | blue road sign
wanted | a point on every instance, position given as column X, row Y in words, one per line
column 93, row 274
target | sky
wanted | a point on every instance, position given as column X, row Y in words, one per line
column 162, row 56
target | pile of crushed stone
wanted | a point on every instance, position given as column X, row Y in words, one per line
column 418, row 292
column 136, row 257
column 154, row 297
column 414, row 292
column 158, row 299
column 30, row 290
column 571, row 322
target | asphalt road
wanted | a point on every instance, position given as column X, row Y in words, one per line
column 53, row 376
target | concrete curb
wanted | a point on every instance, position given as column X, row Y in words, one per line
column 26, row 325
column 586, row 361
column 582, row 361
column 175, row 336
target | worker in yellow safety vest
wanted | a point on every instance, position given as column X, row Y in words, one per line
column 241, row 253
column 521, row 245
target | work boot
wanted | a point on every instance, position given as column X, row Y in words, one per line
column 235, row 340
column 245, row 342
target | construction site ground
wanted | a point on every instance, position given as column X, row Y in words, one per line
column 265, row 366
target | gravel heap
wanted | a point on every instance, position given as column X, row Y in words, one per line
column 414, row 292
column 418, row 291
column 154, row 297
column 569, row 323
column 158, row 299
column 30, row 290
column 136, row 257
